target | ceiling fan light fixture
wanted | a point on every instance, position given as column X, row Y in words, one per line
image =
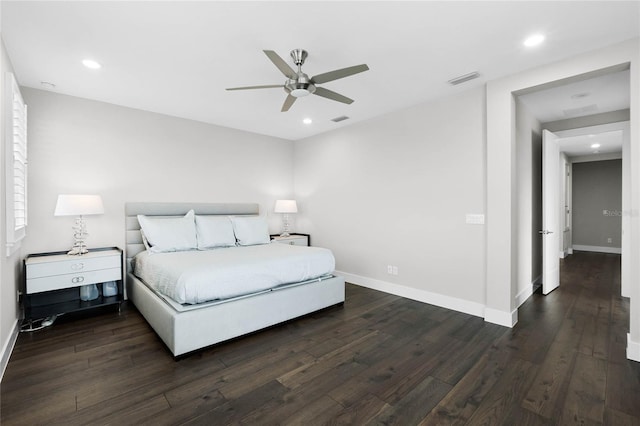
column 299, row 93
column 300, row 88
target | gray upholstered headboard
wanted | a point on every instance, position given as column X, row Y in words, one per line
column 133, row 236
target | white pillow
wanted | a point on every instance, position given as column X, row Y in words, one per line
column 169, row 233
column 250, row 230
column 214, row 231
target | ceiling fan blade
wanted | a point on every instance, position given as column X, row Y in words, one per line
column 330, row 94
column 287, row 103
column 336, row 74
column 269, row 86
column 281, row 64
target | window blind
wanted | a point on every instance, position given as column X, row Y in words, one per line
column 16, row 167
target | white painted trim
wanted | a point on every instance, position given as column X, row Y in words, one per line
column 448, row 302
column 505, row 319
column 7, row 349
column 633, row 349
column 614, row 250
column 570, row 250
column 527, row 292
column 596, row 157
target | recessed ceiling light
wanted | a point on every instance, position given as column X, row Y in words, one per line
column 90, row 63
column 307, row 121
column 534, row 40
column 595, row 145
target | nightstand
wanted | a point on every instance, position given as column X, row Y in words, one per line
column 293, row 239
column 53, row 281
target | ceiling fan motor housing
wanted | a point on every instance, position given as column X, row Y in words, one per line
column 299, row 56
column 300, row 87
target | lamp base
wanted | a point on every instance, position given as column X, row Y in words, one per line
column 79, row 235
column 78, row 251
column 285, row 225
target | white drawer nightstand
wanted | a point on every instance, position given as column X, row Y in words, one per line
column 53, row 281
column 293, row 239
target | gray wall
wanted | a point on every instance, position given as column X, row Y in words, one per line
column 597, row 186
column 395, row 191
column 81, row 146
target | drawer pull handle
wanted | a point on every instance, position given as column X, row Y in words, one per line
column 77, row 266
column 292, row 243
column 77, row 280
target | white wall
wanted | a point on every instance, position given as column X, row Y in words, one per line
column 528, row 151
column 395, row 191
column 9, row 266
column 123, row 154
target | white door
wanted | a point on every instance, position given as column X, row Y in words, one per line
column 551, row 231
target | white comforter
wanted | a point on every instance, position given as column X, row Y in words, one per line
column 200, row 276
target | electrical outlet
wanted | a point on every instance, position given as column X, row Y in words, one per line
column 389, row 269
column 609, row 240
column 394, row 270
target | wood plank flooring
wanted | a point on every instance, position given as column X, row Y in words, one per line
column 379, row 359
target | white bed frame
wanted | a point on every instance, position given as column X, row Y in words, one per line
column 184, row 331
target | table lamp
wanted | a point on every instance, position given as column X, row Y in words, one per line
column 79, row 205
column 285, row 207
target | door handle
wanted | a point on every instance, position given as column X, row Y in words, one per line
column 545, row 232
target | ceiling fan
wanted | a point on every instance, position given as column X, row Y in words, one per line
column 299, row 84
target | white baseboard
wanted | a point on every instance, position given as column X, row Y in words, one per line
column 8, row 348
column 614, row 250
column 527, row 292
column 503, row 318
column 570, row 250
column 633, row 349
column 448, row 302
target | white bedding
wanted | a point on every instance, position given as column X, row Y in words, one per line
column 199, row 276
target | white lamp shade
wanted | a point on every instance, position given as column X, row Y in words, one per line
column 78, row 205
column 286, row 206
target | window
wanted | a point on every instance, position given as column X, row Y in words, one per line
column 16, row 164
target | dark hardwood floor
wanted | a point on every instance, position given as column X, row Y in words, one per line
column 379, row 359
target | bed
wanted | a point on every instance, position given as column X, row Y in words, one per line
column 187, row 327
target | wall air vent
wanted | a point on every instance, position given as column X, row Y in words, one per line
column 339, row 119
column 464, row 78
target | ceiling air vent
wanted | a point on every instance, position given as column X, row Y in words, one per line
column 339, row 119
column 464, row 78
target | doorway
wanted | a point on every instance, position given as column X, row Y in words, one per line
column 596, row 177
column 501, row 210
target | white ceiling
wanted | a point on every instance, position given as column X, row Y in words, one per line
column 610, row 92
column 576, row 146
column 178, row 57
